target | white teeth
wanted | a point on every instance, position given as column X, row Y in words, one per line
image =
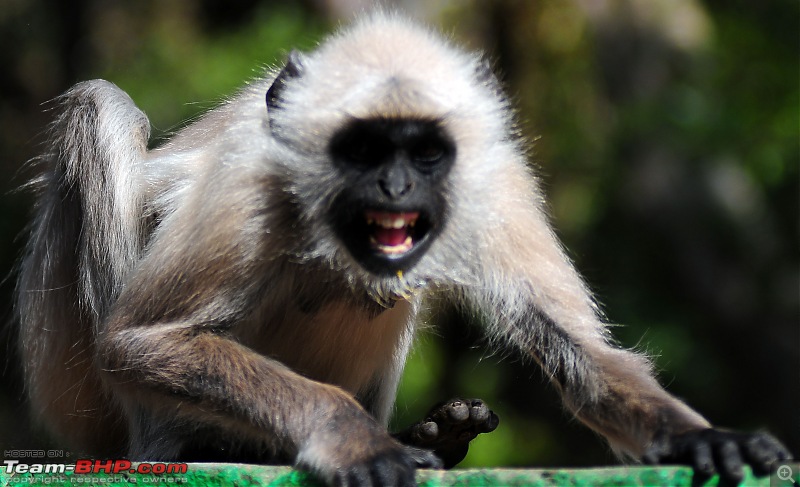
column 394, row 249
column 388, row 222
column 391, row 223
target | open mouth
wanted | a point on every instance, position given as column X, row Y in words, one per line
column 387, row 240
column 394, row 233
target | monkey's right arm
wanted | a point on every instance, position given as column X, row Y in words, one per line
column 535, row 299
column 168, row 354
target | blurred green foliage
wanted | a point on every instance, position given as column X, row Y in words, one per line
column 179, row 70
column 665, row 132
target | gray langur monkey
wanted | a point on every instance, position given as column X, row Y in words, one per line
column 249, row 289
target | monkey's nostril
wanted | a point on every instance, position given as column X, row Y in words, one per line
column 395, row 189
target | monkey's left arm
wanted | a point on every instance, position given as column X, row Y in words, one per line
column 533, row 297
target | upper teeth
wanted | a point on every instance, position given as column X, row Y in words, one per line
column 392, row 220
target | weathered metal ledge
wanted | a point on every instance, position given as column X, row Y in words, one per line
column 214, row 474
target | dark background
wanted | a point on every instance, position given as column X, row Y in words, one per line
column 666, row 133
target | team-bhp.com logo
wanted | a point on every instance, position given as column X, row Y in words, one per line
column 95, row 466
column 109, row 471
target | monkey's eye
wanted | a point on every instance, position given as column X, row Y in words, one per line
column 362, row 151
column 427, row 152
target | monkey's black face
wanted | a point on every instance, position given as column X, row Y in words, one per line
column 394, row 203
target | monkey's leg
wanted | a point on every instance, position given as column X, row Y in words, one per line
column 449, row 427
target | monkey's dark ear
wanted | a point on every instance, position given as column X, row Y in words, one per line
column 292, row 69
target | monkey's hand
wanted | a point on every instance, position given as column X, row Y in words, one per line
column 449, row 427
column 355, row 451
column 711, row 451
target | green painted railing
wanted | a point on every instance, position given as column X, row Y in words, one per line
column 207, row 475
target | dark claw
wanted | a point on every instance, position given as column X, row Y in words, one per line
column 428, row 431
column 395, row 467
column 729, row 461
column 713, row 451
column 703, row 459
column 454, row 412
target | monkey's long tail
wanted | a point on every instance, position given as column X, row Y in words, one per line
column 87, row 234
column 89, row 224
